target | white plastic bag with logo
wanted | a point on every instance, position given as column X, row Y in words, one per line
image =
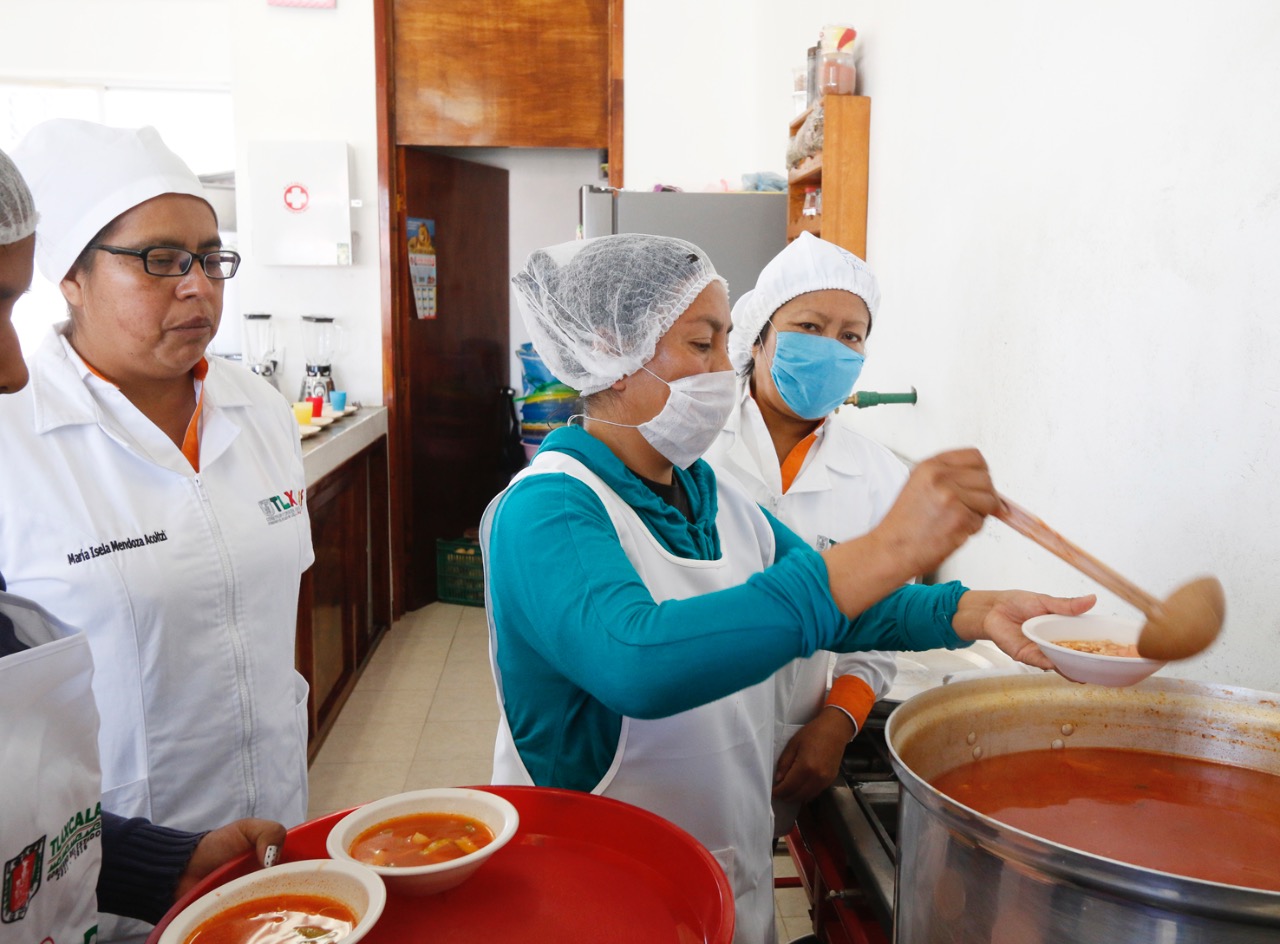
column 50, row 783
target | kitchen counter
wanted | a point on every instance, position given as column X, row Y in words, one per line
column 344, row 602
column 335, row 444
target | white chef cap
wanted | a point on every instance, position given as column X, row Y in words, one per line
column 84, row 175
column 808, row 264
column 17, row 208
column 595, row 308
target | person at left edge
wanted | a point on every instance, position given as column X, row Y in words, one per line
column 53, row 832
column 156, row 497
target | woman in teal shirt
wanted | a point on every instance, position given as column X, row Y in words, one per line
column 639, row 607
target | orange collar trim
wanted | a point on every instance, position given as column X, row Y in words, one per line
column 191, row 440
column 795, row 460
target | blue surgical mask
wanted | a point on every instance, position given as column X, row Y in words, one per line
column 813, row 374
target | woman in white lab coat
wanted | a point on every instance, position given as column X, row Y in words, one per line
column 639, row 605
column 798, row 343
column 53, row 832
column 155, row 497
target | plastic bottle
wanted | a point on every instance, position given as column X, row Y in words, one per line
column 809, row 210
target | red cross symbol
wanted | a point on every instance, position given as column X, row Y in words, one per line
column 296, row 198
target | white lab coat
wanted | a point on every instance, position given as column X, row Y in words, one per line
column 186, row 583
column 844, row 488
column 708, row 770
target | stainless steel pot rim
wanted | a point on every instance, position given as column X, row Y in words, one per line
column 1095, row 873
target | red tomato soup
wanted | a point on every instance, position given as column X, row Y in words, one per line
column 278, row 919
column 420, row 839
column 1176, row 814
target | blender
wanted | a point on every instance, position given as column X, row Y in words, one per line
column 260, row 354
column 320, row 337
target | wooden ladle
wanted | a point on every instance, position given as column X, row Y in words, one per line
column 1180, row 627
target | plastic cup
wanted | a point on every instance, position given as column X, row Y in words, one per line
column 317, row 405
column 338, row 400
column 302, row 413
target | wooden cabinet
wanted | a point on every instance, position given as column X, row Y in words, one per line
column 344, row 604
column 839, row 170
column 520, row 73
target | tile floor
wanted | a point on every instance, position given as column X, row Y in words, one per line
column 424, row 714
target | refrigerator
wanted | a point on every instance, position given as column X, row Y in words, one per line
column 739, row 231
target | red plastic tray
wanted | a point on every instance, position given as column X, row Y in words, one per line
column 580, row 868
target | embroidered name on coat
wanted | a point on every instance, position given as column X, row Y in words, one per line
column 113, row 546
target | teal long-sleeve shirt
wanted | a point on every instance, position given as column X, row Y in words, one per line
column 581, row 642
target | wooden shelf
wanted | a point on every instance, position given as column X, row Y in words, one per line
column 798, row 120
column 806, row 172
column 810, row 224
column 840, row 170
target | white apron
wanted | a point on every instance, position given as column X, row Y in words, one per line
column 50, row 786
column 708, row 770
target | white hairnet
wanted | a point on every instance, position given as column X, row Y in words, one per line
column 808, row 264
column 595, row 308
column 17, row 208
column 84, row 175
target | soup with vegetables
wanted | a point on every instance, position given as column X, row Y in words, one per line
column 1102, row 647
column 278, row 919
column 1183, row 815
column 420, row 839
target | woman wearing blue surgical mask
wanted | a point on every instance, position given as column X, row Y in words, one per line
column 639, row 605
column 799, row 343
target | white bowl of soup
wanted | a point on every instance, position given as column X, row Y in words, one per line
column 425, row 841
column 316, row 900
column 1097, row 649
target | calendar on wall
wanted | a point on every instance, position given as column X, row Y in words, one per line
column 422, row 265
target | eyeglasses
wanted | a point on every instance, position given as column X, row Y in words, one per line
column 171, row 262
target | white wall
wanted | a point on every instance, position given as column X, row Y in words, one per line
column 1075, row 215
column 168, row 43
column 308, row 75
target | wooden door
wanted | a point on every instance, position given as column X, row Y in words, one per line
column 451, row 368
column 532, row 73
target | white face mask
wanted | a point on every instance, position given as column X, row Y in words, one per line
column 696, row 410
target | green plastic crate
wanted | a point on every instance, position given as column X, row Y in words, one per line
column 459, row 572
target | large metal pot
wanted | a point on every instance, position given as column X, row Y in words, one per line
column 964, row 877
